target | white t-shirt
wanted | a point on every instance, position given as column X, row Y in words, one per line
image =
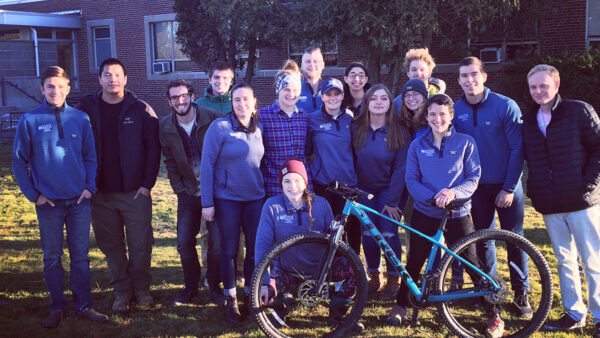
column 543, row 120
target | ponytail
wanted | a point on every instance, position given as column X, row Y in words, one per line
column 308, row 199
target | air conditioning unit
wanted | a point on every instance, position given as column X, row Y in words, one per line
column 161, row 67
column 490, row 55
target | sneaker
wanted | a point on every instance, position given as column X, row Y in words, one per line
column 565, row 323
column 232, row 311
column 93, row 315
column 596, row 330
column 495, row 327
column 185, row 297
column 521, row 305
column 53, row 319
column 390, row 290
column 397, row 315
column 143, row 298
column 375, row 283
column 121, row 303
column 216, row 295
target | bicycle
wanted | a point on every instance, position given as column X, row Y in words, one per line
column 301, row 315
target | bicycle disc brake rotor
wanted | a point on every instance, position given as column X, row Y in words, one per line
column 307, row 295
column 501, row 295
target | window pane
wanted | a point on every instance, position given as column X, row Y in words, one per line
column 102, row 49
column 594, row 18
column 162, row 41
column 63, row 34
column 44, row 33
column 102, row 33
column 179, row 54
column 183, row 66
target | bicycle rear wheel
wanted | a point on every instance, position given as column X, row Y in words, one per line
column 468, row 317
column 297, row 310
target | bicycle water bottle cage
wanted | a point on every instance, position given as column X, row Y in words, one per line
column 347, row 192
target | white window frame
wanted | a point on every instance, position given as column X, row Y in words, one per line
column 91, row 25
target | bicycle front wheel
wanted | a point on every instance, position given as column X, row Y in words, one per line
column 295, row 308
column 517, row 258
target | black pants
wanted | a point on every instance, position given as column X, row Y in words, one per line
column 456, row 228
column 337, row 206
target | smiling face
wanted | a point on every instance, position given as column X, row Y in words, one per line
column 113, row 80
column 180, row 100
column 55, row 90
column 289, row 95
column 220, row 81
column 332, row 101
column 413, row 100
column 542, row 87
column 439, row 118
column 379, row 103
column 244, row 103
column 419, row 69
column 356, row 79
column 312, row 65
column 471, row 80
column 293, row 186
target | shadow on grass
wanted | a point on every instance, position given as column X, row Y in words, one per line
column 537, row 236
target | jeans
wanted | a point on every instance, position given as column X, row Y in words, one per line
column 189, row 219
column 117, row 217
column 388, row 230
column 511, row 219
column 76, row 218
column 233, row 217
column 577, row 234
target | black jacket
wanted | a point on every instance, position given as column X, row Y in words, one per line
column 139, row 148
column 564, row 167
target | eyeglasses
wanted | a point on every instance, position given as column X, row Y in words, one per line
column 412, row 96
column 359, row 75
column 176, row 98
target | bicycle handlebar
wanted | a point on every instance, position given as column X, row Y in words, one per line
column 453, row 205
column 347, row 192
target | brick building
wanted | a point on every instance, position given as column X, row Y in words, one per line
column 79, row 34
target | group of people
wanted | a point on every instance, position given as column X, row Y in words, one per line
column 264, row 173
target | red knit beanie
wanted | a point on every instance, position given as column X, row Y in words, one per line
column 293, row 166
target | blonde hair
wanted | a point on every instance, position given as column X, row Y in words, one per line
column 418, row 54
column 289, row 67
column 551, row 70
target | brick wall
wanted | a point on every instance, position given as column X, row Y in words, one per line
column 564, row 28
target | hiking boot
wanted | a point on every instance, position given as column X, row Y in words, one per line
column 338, row 307
column 375, row 283
column 216, row 295
column 564, row 323
column 121, row 303
column 53, row 319
column 390, row 290
column 144, row 298
column 232, row 311
column 93, row 315
column 397, row 315
column 521, row 305
column 185, row 297
column 495, row 327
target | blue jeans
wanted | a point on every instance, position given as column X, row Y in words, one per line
column 189, row 219
column 233, row 217
column 388, row 230
column 511, row 219
column 76, row 218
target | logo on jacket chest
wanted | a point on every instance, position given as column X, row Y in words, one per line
column 287, row 219
column 326, row 126
column 428, row 152
column 45, row 128
column 127, row 120
column 463, row 117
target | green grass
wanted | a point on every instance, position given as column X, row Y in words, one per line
column 24, row 298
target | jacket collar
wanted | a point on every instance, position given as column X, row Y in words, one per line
column 289, row 208
column 208, row 94
column 486, row 93
column 54, row 109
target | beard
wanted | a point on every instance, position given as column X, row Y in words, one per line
column 184, row 113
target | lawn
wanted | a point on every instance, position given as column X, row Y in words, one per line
column 24, row 298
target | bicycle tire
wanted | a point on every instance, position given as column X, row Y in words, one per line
column 461, row 315
column 263, row 313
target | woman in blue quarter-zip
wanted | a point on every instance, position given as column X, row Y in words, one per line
column 380, row 143
column 232, row 187
column 330, row 142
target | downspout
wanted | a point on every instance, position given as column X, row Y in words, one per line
column 36, row 49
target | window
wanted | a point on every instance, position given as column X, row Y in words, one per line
column 593, row 23
column 166, row 51
column 101, row 42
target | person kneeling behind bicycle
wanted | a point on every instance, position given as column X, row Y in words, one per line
column 299, row 210
column 442, row 164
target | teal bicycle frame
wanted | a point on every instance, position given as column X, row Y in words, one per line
column 358, row 210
